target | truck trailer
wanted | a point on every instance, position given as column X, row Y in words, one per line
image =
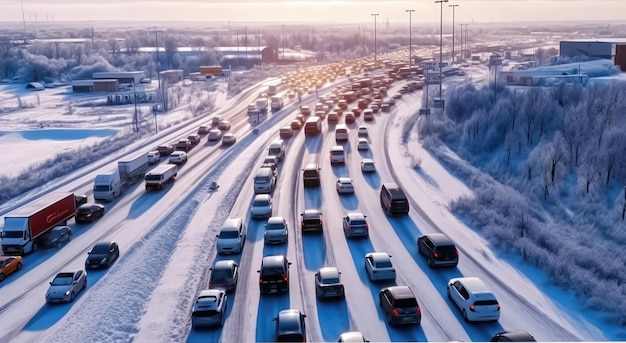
column 157, row 177
column 24, row 227
column 110, row 185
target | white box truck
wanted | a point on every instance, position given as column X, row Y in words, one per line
column 108, row 186
column 276, row 103
column 157, row 177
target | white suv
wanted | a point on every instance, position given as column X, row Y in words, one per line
column 337, row 155
column 178, row 157
column 474, row 299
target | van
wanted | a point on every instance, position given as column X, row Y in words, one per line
column 393, row 200
column 264, row 181
column 313, row 126
column 277, row 148
column 311, row 175
column 341, row 133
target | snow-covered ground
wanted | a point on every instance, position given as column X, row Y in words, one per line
column 167, row 240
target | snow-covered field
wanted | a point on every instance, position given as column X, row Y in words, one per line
column 167, row 240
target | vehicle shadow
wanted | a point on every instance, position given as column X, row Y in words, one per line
column 269, row 306
column 147, row 200
column 333, row 317
column 349, row 201
column 314, row 250
column 373, row 179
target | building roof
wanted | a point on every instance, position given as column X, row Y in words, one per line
column 596, row 40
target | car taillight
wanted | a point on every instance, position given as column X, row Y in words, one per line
column 419, row 310
column 456, row 251
column 285, row 278
column 389, row 205
column 367, row 227
column 472, row 308
column 260, row 280
column 395, row 312
column 302, row 223
column 320, row 223
column 436, row 255
column 498, row 306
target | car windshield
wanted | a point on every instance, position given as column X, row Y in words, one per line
column 229, row 234
column 405, row 303
column 383, row 264
column 271, row 271
column 62, row 281
column 275, row 226
column 260, row 202
column 220, row 274
column 12, row 234
column 357, row 223
column 100, row 249
column 331, row 280
column 84, row 210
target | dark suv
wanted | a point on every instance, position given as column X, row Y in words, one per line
column 393, row 200
column 438, row 249
column 274, row 274
column 312, row 221
column 400, row 305
column 311, row 175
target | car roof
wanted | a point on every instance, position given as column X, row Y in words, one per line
column 290, row 317
column 363, row 139
column 379, row 256
column 345, row 180
column 224, row 264
column 329, row 272
column 356, row 216
column 65, row 274
column 275, row 220
column 232, row 224
column 352, row 336
column 274, row 260
column 208, row 298
column 367, row 160
column 517, row 336
column 262, row 197
column 336, row 148
column 401, row 292
column 311, row 166
column 473, row 284
column 394, row 189
column 4, row 258
column 440, row 239
column 104, row 244
column 313, row 212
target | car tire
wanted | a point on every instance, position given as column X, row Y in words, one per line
column 71, row 296
column 19, row 266
column 464, row 315
column 430, row 262
column 69, row 237
column 448, row 293
column 35, row 246
column 1, row 277
column 389, row 320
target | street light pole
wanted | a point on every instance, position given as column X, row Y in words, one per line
column 453, row 7
column 440, row 2
column 375, row 44
column 283, row 34
column 410, row 41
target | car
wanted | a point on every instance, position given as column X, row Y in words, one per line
column 203, row 130
column 224, row 275
column 290, row 326
column 285, row 132
column 396, row 96
column 379, row 267
column 229, row 139
column 368, row 115
column 165, row 150
column 349, row 118
column 184, row 145
column 368, row 166
column 57, row 236
column 362, row 144
column 178, row 157
column 438, row 249
column 88, row 213
column 102, row 255
column 276, row 231
column 393, row 199
column 345, row 185
column 385, row 107
column 210, row 309
column 355, row 224
column 80, row 199
column 311, row 221
column 328, row 283
column 337, row 155
column 513, row 336
column 475, row 301
column 224, row 125
column 154, row 156
column 356, row 111
column 215, row 121
column 351, row 337
column 261, row 206
column 400, row 305
column 65, row 286
column 311, row 175
column 9, row 265
column 333, row 118
column 295, row 124
column 362, row 131
column 274, row 274
column 232, row 236
column 214, row 135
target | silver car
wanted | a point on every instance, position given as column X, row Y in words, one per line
column 328, row 283
column 378, row 266
column 345, row 186
column 210, row 309
column 65, row 286
column 276, row 231
column 232, row 237
column 261, row 206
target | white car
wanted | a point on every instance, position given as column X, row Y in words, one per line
column 337, row 155
column 215, row 121
column 345, row 186
column 214, row 135
column 178, row 157
column 232, row 237
column 224, row 125
column 276, row 231
column 65, row 286
column 379, row 267
column 362, row 131
column 261, row 206
column 474, row 299
column 362, row 144
column 351, row 336
column 368, row 166
column 154, row 156
column 229, row 139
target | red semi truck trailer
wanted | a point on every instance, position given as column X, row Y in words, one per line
column 24, row 226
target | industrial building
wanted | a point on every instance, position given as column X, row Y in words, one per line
column 606, row 48
column 171, row 76
column 125, row 77
column 90, row 86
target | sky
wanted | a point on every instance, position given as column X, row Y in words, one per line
column 289, row 11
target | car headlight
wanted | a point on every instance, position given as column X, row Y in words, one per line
column 103, row 260
column 67, row 292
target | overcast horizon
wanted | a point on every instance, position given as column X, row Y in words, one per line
column 347, row 11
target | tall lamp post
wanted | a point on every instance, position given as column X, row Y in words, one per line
column 453, row 7
column 410, row 41
column 440, row 2
column 283, row 34
column 375, row 44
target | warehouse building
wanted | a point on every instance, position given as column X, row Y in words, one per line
column 125, row 77
column 613, row 49
column 171, row 76
column 90, row 86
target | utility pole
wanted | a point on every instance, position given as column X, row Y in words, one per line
column 156, row 46
column 440, row 2
column 246, row 54
column 283, row 36
column 453, row 7
column 258, row 38
column 462, row 47
column 375, row 43
column 23, row 18
column 410, row 41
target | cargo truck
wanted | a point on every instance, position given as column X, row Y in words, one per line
column 157, row 177
column 276, row 103
column 108, row 186
column 24, row 227
column 272, row 90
